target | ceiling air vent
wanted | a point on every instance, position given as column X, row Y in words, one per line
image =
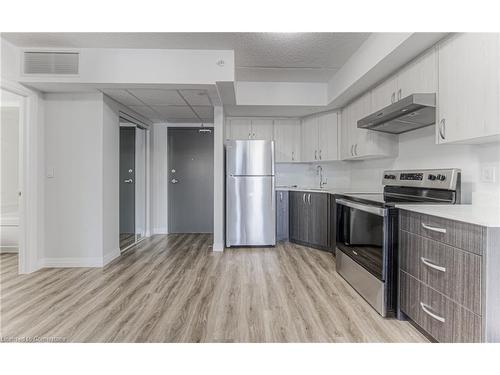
column 51, row 62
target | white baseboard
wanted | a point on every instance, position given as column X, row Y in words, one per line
column 218, row 247
column 160, row 231
column 110, row 256
column 9, row 250
column 71, row 262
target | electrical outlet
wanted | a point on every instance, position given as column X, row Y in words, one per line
column 488, row 174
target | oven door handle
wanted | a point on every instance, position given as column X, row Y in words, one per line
column 362, row 207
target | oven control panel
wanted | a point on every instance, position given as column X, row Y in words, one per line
column 425, row 178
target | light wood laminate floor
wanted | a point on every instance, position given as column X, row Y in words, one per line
column 175, row 289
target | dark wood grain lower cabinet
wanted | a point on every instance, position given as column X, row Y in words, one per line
column 440, row 317
column 298, row 220
column 282, row 216
column 451, row 271
column 319, row 219
column 310, row 219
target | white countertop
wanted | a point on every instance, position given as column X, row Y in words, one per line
column 325, row 190
column 480, row 215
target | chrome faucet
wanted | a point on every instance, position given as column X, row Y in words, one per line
column 319, row 171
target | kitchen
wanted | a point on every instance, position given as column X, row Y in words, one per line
column 347, row 203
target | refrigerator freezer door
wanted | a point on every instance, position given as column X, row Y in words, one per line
column 249, row 158
column 250, row 211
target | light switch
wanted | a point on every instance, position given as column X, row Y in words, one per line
column 51, row 172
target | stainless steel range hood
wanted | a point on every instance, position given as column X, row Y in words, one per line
column 410, row 113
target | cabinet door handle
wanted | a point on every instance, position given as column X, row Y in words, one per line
column 393, row 97
column 434, row 229
column 253, row 135
column 304, row 198
column 426, row 309
column 352, row 152
column 309, row 198
column 293, row 155
column 356, row 149
column 315, row 154
column 399, row 94
column 432, row 265
column 319, row 154
column 249, row 135
column 281, row 196
column 442, row 129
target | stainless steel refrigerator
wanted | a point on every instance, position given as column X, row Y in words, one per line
column 250, row 198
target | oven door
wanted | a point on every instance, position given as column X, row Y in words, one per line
column 361, row 236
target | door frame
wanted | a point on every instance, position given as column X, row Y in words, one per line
column 147, row 128
column 30, row 248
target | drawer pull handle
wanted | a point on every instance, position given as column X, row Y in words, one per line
column 426, row 309
column 432, row 265
column 434, row 229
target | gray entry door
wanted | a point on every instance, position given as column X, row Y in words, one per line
column 191, row 180
column 127, row 186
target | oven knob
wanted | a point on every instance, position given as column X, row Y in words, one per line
column 441, row 177
column 432, row 177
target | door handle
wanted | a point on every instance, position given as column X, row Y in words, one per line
column 399, row 94
column 442, row 129
column 174, row 181
column 434, row 229
column 281, row 196
column 393, row 97
column 426, row 309
column 309, row 198
column 293, row 155
column 432, row 265
column 356, row 149
column 304, row 198
column 315, row 154
column 352, row 152
column 319, row 154
column 128, row 181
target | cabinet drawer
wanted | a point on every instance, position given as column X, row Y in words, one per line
column 453, row 272
column 468, row 237
column 443, row 319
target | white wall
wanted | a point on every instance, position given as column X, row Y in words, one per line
column 417, row 149
column 159, row 179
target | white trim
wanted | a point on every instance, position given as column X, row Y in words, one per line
column 30, row 246
column 110, row 256
column 218, row 247
column 159, row 231
column 71, row 262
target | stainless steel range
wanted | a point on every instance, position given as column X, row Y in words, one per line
column 367, row 230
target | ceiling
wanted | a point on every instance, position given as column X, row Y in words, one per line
column 273, row 57
column 160, row 105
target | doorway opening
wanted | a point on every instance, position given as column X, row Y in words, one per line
column 11, row 231
column 133, row 165
column 191, row 180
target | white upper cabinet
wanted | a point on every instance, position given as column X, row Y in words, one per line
column 469, row 89
column 287, row 140
column 361, row 143
column 328, row 141
column 418, row 77
column 243, row 128
column 239, row 129
column 320, row 141
column 384, row 94
column 262, row 129
column 310, row 129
